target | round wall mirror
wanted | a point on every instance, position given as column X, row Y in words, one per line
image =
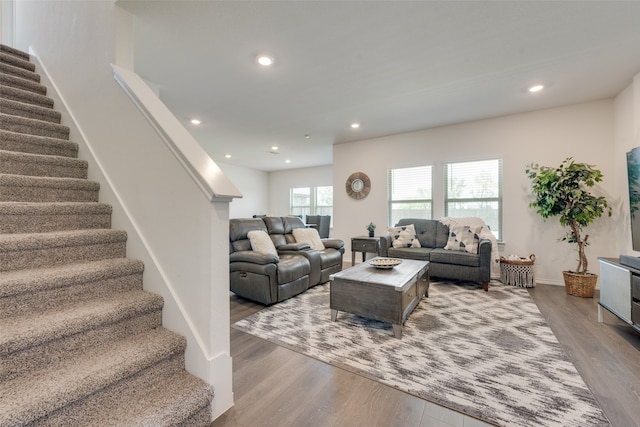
column 358, row 185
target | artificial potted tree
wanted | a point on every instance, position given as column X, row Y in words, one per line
column 564, row 191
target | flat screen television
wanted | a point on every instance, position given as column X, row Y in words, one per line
column 633, row 177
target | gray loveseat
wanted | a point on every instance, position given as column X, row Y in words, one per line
column 443, row 263
column 268, row 279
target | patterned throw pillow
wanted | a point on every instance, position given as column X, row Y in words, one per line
column 404, row 236
column 261, row 242
column 464, row 238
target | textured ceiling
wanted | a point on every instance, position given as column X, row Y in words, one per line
column 393, row 66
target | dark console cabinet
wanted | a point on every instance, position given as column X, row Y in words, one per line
column 620, row 291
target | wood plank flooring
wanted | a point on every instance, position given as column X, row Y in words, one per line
column 274, row 386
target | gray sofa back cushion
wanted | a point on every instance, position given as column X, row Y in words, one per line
column 238, row 229
column 280, row 229
column 430, row 232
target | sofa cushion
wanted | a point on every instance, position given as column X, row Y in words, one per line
column 445, row 256
column 420, row 254
column 425, row 230
column 292, row 267
column 261, row 242
column 310, row 236
column 464, row 238
column 404, row 236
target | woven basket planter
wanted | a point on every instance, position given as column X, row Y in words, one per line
column 580, row 285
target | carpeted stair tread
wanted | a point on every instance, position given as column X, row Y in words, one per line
column 22, row 143
column 28, row 110
column 25, row 96
column 13, row 163
column 21, row 188
column 168, row 399
column 10, row 57
column 21, row 82
column 33, row 395
column 33, row 217
column 33, row 126
column 13, row 51
column 21, row 251
column 11, row 70
column 19, row 333
column 43, row 279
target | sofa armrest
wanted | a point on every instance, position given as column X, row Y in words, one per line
column 253, row 257
column 385, row 244
column 295, row 246
column 333, row 243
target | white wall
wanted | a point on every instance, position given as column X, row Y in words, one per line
column 181, row 237
column 254, row 186
column 280, row 182
column 584, row 131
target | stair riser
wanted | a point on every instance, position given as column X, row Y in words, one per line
column 45, row 194
column 13, row 224
column 23, row 84
column 14, row 94
column 14, row 60
column 10, row 124
column 32, row 302
column 39, row 356
column 79, row 412
column 34, row 145
column 28, row 167
column 47, row 257
column 29, row 111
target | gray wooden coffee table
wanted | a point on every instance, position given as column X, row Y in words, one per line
column 388, row 295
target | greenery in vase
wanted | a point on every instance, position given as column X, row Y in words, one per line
column 371, row 227
column 564, row 191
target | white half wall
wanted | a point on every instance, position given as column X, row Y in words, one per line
column 584, row 131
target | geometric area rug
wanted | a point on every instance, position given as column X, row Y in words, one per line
column 490, row 355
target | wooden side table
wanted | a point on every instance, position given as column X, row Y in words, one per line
column 364, row 244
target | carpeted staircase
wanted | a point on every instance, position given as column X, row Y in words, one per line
column 81, row 343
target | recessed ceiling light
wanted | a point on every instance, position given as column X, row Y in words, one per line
column 195, row 121
column 227, row 156
column 265, row 60
column 536, row 88
column 287, row 161
column 355, row 125
column 275, row 148
column 307, row 136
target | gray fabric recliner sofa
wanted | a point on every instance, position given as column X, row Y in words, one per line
column 443, row 263
column 268, row 279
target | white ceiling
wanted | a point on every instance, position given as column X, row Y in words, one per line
column 393, row 66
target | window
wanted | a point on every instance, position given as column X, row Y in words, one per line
column 475, row 189
column 410, row 193
column 311, row 201
column 300, row 201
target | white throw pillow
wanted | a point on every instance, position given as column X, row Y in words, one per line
column 310, row 236
column 464, row 238
column 261, row 242
column 404, row 236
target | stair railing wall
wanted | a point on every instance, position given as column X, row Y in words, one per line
column 192, row 281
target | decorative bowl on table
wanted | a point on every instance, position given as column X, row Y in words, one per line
column 385, row 263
